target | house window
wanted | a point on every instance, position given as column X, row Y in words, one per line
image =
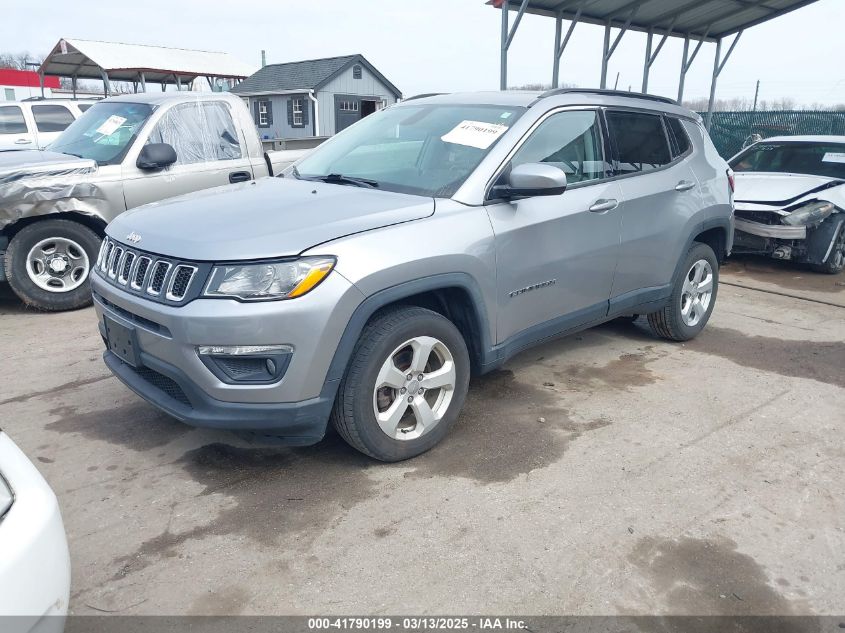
column 349, row 106
column 297, row 113
column 10, row 94
column 356, row 71
column 263, row 118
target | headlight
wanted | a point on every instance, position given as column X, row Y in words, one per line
column 272, row 280
column 808, row 214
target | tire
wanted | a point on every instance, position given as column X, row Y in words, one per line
column 72, row 243
column 389, row 338
column 836, row 259
column 682, row 318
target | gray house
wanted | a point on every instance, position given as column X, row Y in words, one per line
column 318, row 97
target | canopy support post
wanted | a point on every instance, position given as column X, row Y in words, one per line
column 178, row 82
column 507, row 38
column 609, row 48
column 41, row 82
column 688, row 60
column 718, row 66
column 561, row 46
column 73, row 83
column 106, row 84
column 143, row 82
column 651, row 57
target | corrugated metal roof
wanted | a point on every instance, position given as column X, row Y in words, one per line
column 716, row 18
column 123, row 62
column 304, row 75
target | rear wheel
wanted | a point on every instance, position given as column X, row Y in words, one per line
column 693, row 297
column 836, row 258
column 48, row 263
column 405, row 386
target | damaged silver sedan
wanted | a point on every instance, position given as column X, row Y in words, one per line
column 790, row 200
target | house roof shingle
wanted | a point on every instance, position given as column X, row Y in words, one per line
column 304, row 75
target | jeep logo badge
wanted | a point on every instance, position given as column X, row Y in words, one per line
column 133, row 237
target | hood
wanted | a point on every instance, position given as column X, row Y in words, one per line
column 270, row 217
column 30, row 163
column 778, row 189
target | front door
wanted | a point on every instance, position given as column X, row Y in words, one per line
column 556, row 255
column 209, row 153
column 347, row 110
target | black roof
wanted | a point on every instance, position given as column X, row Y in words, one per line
column 306, row 75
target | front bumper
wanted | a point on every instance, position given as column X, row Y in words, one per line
column 35, row 564
column 171, row 375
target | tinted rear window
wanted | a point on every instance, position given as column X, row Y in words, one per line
column 51, row 118
column 679, row 135
column 641, row 142
column 11, row 120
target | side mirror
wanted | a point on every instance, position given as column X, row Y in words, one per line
column 156, row 156
column 532, row 179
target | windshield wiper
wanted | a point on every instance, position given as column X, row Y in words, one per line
column 340, row 179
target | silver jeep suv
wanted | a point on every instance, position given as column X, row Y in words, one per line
column 429, row 242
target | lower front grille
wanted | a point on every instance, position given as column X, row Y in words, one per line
column 163, row 383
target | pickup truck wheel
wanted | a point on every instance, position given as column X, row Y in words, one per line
column 48, row 263
column 693, row 297
column 406, row 383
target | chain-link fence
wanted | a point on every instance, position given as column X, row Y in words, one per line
column 731, row 129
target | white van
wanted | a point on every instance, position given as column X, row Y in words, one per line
column 36, row 124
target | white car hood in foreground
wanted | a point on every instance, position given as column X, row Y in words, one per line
column 786, row 189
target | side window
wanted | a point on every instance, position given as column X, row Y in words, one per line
column 679, row 136
column 199, row 132
column 51, row 118
column 569, row 140
column 11, row 120
column 641, row 141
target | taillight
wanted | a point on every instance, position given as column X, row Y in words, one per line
column 731, row 183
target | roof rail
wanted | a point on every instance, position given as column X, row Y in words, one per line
column 424, row 95
column 608, row 93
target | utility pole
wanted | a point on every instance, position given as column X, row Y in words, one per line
column 756, row 93
column 754, row 110
column 616, row 83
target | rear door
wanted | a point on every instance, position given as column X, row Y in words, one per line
column 14, row 132
column 210, row 151
column 556, row 255
column 51, row 119
column 660, row 194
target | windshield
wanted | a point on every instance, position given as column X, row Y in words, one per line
column 104, row 133
column 816, row 159
column 422, row 149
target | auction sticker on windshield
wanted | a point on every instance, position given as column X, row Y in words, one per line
column 111, row 124
column 834, row 157
column 474, row 134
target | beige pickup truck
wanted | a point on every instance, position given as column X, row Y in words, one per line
column 123, row 152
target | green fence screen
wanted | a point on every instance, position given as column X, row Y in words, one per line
column 729, row 130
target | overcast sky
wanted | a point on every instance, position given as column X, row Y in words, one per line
column 446, row 45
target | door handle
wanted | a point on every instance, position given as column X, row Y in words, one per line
column 23, row 141
column 602, row 205
column 239, row 176
column 684, row 185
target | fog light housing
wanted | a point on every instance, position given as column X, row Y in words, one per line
column 246, row 364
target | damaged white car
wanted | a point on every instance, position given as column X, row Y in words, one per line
column 790, row 200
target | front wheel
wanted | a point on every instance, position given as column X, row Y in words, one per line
column 693, row 297
column 406, row 383
column 48, row 263
column 835, row 262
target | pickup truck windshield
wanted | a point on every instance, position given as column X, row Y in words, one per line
column 104, row 133
column 420, row 149
column 796, row 157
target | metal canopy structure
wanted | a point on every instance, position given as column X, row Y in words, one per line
column 136, row 63
column 696, row 21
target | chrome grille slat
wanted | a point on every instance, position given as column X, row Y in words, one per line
column 158, row 277
column 107, row 257
column 125, row 268
column 114, row 262
column 180, row 281
column 140, row 274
